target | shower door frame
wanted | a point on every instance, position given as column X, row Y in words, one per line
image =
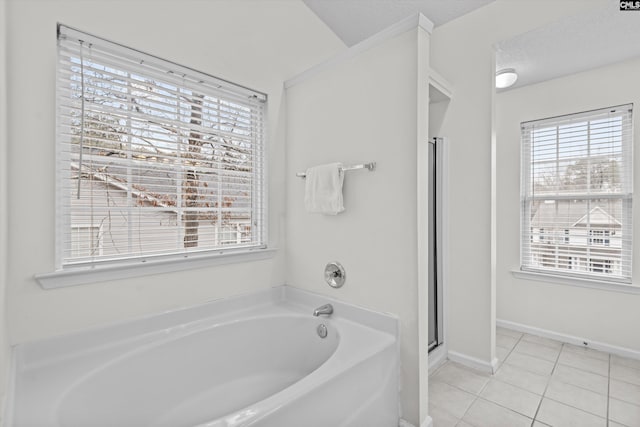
column 437, row 208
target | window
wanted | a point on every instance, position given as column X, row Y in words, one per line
column 153, row 159
column 577, row 185
column 599, row 237
column 86, row 241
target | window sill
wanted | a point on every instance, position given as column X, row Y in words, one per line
column 580, row 282
column 81, row 276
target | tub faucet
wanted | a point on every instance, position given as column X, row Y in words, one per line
column 323, row 309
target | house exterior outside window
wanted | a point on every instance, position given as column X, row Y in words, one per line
column 600, row 237
column 86, row 240
column 576, row 195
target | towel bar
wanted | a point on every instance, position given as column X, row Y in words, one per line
column 371, row 166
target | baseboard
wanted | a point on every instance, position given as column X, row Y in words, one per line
column 473, row 362
column 428, row 422
column 404, row 423
column 495, row 363
column 436, row 358
column 570, row 339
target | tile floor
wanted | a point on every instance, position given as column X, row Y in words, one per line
column 539, row 382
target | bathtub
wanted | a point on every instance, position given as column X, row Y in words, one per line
column 255, row 360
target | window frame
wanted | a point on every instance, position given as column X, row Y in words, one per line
column 76, row 229
column 258, row 203
column 568, row 274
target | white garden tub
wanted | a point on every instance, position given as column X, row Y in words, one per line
column 254, row 360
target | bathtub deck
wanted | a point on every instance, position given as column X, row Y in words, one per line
column 132, row 373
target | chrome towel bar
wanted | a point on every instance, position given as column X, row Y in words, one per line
column 371, row 166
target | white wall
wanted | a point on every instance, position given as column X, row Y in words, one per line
column 363, row 109
column 462, row 52
column 596, row 315
column 4, row 340
column 255, row 43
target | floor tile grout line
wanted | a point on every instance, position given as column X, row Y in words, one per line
column 582, row 387
column 474, row 394
column 519, row 367
column 566, row 404
column 504, row 407
column 535, row 416
column 446, row 362
column 517, row 386
column 539, row 345
column 553, row 347
column 529, row 370
column 623, row 381
column 556, row 365
column 574, row 407
column 620, row 365
column 509, row 353
column 477, row 396
column 522, row 338
column 535, row 356
column 584, row 351
column 582, row 370
column 492, row 376
column 593, row 371
column 558, row 362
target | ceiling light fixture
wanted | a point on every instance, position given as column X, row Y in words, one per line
column 506, row 78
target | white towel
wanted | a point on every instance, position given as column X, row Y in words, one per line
column 323, row 189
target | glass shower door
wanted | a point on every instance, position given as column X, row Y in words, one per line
column 435, row 236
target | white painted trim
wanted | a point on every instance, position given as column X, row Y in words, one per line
column 404, row 423
column 416, row 21
column 570, row 339
column 440, row 83
column 495, row 363
column 437, row 357
column 6, row 388
column 473, row 362
column 425, row 23
column 64, row 278
column 428, row 422
column 8, row 402
column 444, row 232
column 602, row 285
column 423, row 182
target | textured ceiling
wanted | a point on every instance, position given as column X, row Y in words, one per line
column 584, row 41
column 356, row 20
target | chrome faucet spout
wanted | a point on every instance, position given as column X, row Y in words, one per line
column 326, row 309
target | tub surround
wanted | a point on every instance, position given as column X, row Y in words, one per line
column 161, row 370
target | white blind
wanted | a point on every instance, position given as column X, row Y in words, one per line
column 153, row 159
column 577, row 188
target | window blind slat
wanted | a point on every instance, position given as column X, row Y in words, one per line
column 154, row 159
column 150, row 63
